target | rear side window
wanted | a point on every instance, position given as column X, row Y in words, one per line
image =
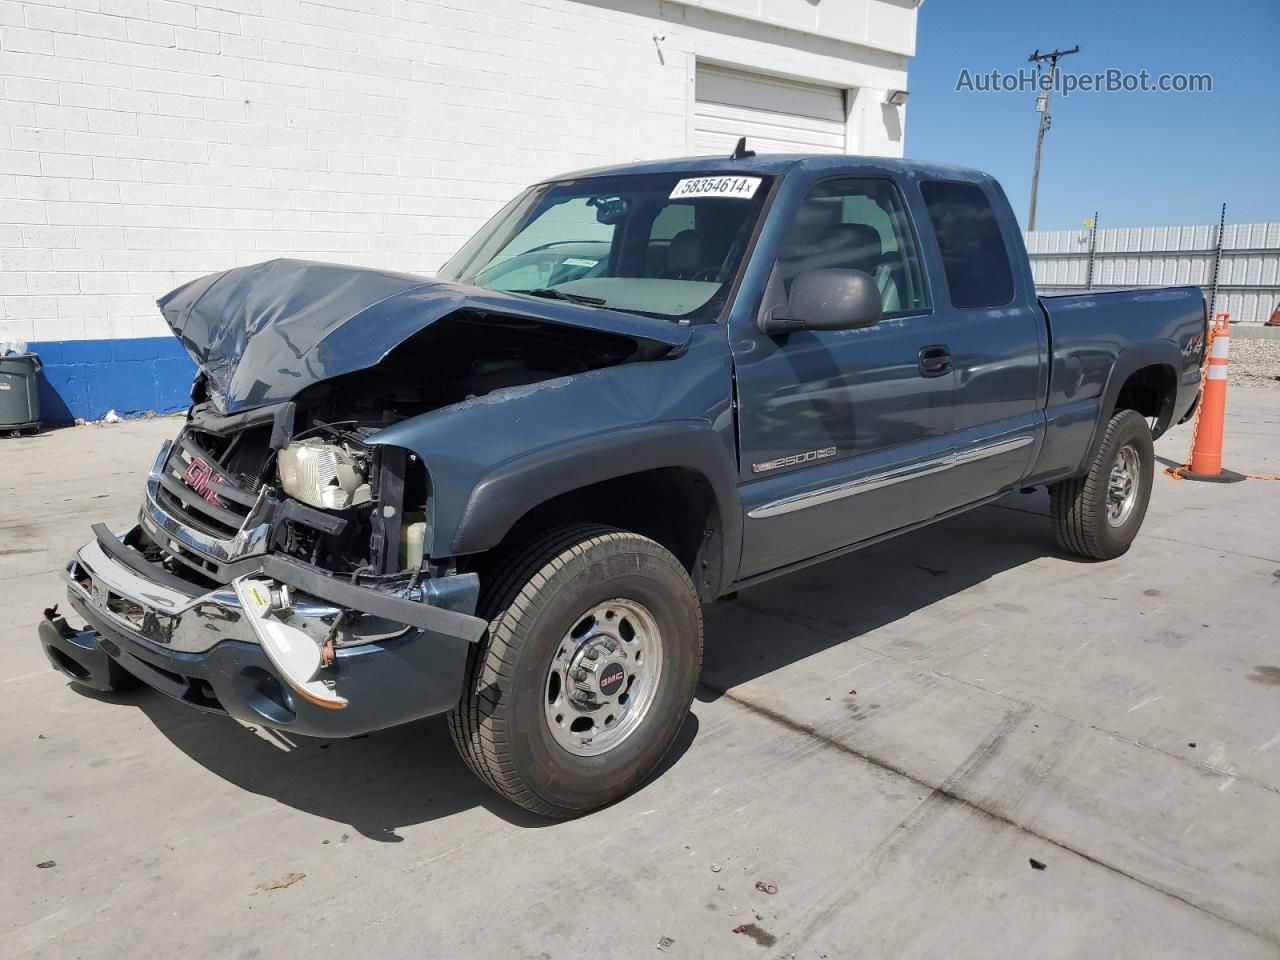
column 973, row 253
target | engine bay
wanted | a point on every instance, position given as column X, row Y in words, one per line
column 336, row 500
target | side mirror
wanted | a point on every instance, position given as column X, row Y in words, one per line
column 830, row 299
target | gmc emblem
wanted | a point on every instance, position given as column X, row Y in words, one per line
column 199, row 476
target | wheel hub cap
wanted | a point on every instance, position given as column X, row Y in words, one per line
column 1122, row 485
column 603, row 677
column 596, row 673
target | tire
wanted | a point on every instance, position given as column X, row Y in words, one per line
column 1084, row 511
column 541, row 595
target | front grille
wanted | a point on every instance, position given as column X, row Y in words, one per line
column 211, row 483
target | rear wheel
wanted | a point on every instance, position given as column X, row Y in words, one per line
column 1099, row 514
column 586, row 672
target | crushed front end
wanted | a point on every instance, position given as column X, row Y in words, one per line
column 283, row 568
column 276, row 574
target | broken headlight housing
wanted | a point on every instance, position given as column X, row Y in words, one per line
column 329, row 476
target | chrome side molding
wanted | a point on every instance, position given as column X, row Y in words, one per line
column 876, row 481
column 970, row 454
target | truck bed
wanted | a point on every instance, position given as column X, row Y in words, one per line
column 1096, row 340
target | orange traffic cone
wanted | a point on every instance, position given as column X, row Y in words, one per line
column 1206, row 435
column 1274, row 321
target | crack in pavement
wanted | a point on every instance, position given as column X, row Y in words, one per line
column 947, row 792
column 922, row 815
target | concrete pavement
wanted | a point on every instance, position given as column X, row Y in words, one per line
column 890, row 738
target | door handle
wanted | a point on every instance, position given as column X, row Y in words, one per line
column 935, row 361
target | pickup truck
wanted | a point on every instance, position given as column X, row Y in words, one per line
column 504, row 493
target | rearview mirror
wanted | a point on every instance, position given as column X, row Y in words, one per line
column 830, row 299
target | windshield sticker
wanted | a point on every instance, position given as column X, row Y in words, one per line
column 743, row 188
column 579, row 262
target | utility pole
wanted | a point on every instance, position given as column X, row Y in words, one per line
column 1042, row 105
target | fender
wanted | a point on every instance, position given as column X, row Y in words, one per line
column 493, row 458
column 1131, row 359
column 516, row 487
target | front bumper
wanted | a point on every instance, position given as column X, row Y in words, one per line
column 201, row 649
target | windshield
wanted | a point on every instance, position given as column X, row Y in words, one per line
column 661, row 244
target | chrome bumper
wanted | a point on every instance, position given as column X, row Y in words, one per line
column 169, row 618
column 191, row 623
column 401, row 659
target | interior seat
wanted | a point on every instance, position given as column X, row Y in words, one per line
column 685, row 255
column 857, row 246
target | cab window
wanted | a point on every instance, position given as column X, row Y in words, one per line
column 969, row 239
column 664, row 244
column 857, row 224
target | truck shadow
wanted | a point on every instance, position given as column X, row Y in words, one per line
column 397, row 778
column 377, row 784
column 847, row 599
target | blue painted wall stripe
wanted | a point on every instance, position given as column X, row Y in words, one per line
column 86, row 378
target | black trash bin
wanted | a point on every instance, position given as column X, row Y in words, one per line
column 19, row 392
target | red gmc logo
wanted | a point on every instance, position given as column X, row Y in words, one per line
column 199, row 476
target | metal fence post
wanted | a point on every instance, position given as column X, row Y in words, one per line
column 1217, row 261
column 1093, row 243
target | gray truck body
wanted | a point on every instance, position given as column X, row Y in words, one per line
column 748, row 453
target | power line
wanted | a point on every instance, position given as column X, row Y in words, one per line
column 1042, row 105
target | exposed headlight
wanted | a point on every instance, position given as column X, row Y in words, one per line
column 324, row 475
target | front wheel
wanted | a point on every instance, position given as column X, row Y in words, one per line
column 1098, row 515
column 586, row 673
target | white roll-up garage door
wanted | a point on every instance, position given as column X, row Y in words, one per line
column 776, row 116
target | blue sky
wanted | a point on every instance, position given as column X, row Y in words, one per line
column 1138, row 158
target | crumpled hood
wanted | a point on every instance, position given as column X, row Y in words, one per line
column 263, row 333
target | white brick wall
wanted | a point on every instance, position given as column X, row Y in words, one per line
column 146, row 142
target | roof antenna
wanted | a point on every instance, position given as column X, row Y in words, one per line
column 740, row 152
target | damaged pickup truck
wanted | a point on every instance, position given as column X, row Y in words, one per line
column 504, row 493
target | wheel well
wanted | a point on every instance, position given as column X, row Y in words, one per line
column 674, row 506
column 1150, row 391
